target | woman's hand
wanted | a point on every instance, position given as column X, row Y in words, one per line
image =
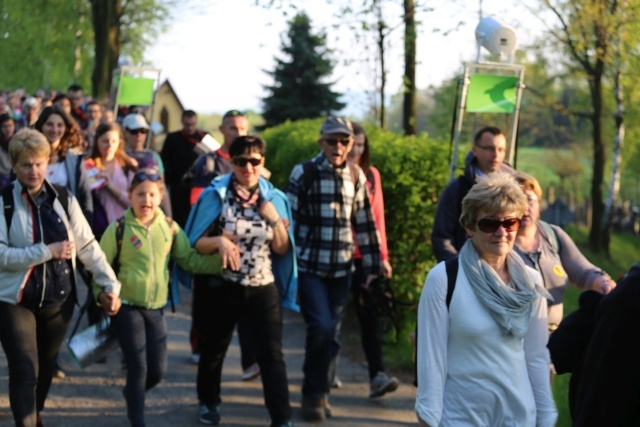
column 110, row 302
column 604, row 285
column 269, row 212
column 61, row 250
column 230, row 253
column 385, row 269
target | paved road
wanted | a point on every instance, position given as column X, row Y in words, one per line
column 92, row 397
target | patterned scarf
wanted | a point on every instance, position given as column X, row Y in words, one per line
column 245, row 197
column 509, row 306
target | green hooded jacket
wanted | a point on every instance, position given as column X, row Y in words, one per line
column 144, row 258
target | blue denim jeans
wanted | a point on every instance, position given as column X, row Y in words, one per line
column 322, row 302
column 142, row 335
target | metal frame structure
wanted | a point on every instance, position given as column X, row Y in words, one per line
column 462, row 105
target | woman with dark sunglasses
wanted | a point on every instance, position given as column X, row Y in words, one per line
column 245, row 219
column 481, row 357
column 550, row 250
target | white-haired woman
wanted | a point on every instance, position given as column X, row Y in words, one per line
column 482, row 358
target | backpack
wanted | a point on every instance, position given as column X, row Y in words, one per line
column 115, row 264
column 9, row 205
column 451, row 265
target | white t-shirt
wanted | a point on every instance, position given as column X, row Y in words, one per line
column 57, row 174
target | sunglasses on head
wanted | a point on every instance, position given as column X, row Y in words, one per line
column 242, row 161
column 137, row 131
column 142, row 176
column 490, row 225
column 334, row 141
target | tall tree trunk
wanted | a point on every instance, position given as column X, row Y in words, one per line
column 616, row 160
column 105, row 15
column 409, row 122
column 595, row 234
column 383, row 71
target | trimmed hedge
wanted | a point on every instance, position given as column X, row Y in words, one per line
column 414, row 171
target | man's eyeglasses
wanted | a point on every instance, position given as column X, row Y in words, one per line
column 491, row 148
column 137, row 131
column 490, row 225
column 334, row 141
column 142, row 176
column 242, row 161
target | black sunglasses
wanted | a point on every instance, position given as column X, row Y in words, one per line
column 490, row 225
column 334, row 141
column 137, row 131
column 242, row 161
column 142, row 176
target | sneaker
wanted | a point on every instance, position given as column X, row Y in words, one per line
column 59, row 373
column 336, row 383
column 208, row 414
column 383, row 384
column 251, row 372
column 195, row 358
column 288, row 424
column 313, row 409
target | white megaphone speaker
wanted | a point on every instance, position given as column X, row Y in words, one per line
column 496, row 36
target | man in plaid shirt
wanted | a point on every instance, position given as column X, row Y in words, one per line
column 328, row 199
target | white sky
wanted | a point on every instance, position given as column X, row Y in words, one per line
column 215, row 52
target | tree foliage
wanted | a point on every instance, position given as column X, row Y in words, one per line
column 300, row 88
column 45, row 44
column 51, row 44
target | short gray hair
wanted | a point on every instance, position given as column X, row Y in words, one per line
column 496, row 193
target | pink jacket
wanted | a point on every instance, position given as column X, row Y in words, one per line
column 377, row 205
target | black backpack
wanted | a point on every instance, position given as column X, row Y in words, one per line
column 9, row 203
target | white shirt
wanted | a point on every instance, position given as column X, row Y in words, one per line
column 57, row 174
column 469, row 372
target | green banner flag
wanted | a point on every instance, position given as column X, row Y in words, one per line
column 491, row 94
column 136, row 91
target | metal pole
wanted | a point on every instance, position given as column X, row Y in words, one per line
column 153, row 103
column 458, row 131
column 516, row 114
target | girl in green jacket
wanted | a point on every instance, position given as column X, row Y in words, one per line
column 139, row 246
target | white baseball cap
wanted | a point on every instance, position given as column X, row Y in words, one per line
column 135, row 121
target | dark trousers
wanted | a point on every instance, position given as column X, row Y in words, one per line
column 322, row 302
column 370, row 328
column 31, row 339
column 217, row 307
column 142, row 335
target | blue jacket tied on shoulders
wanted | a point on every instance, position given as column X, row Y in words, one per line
column 208, row 208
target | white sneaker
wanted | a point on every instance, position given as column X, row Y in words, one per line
column 251, row 372
column 195, row 358
column 383, row 384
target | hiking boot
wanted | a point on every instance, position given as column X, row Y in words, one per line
column 313, row 409
column 208, row 414
column 251, row 372
column 383, row 384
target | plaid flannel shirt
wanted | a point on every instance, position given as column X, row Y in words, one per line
column 324, row 214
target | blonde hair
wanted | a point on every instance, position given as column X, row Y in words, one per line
column 28, row 141
column 528, row 183
column 496, row 193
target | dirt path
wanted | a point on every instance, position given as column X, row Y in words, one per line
column 92, row 397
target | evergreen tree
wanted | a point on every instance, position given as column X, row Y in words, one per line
column 300, row 89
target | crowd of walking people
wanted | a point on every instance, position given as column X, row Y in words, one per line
column 86, row 202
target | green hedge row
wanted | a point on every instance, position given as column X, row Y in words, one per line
column 414, row 172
